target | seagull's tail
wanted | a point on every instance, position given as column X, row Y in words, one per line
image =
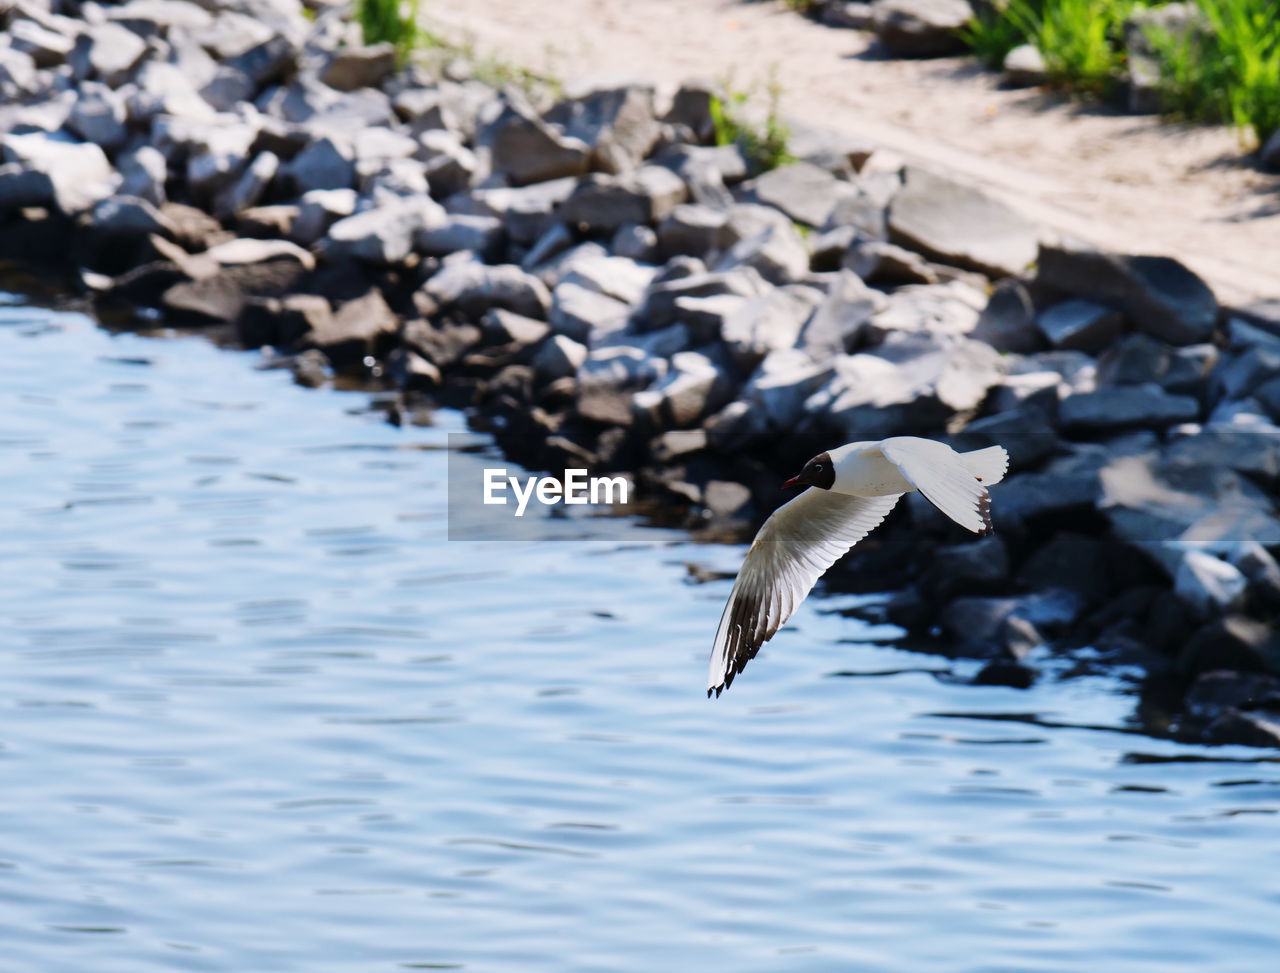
column 988, row 465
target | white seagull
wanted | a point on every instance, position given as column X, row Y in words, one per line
column 855, row 487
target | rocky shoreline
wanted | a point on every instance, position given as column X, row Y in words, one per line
column 603, row 284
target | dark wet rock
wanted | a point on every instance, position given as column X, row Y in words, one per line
column 960, row 225
column 446, row 343
column 358, row 328
column 921, row 28
column 382, row 235
column 282, row 322
column 221, row 296
column 1158, row 295
column 559, row 357
column 473, row 288
column 1251, row 729
column 1125, row 407
column 804, row 192
column 1208, row 585
column 1079, row 325
column 777, row 253
column 359, row 67
column 985, row 624
column 616, row 123
column 1005, row 672
column 1074, row 561
column 1008, row 322
column 1233, row 642
column 886, row 264
column 1024, row 67
column 837, row 325
column 525, row 149
column 601, row 203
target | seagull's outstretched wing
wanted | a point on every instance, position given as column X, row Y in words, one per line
column 799, row 541
column 941, row 474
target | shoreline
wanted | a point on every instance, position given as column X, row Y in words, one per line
column 604, row 285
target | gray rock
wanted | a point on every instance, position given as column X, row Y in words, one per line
column 386, row 180
column 635, row 241
column 359, row 67
column 451, row 167
column 1244, row 373
column 691, row 108
column 960, row 225
column 1125, row 407
column 659, row 307
column 617, row 123
column 1249, row 729
column 217, row 158
column 327, row 163
column 473, row 288
column 885, row 264
column 1209, row 586
column 838, row 324
column 482, row 234
column 525, row 149
column 46, row 48
column 602, row 204
column 359, row 328
column 74, row 176
column 705, row 316
column 615, row 277
column 779, row 388
column 1023, row 431
column 282, row 322
column 98, row 116
column 251, row 188
column 383, row 235
column 266, row 63
column 585, row 315
column 526, row 212
column 694, row 388
column 1232, row 642
column 850, row 15
column 143, row 173
column 777, row 253
column 128, row 216
column 1049, row 496
column 921, row 28
column 267, row 222
column 165, row 91
column 1008, row 322
column 1079, row 325
column 691, row 228
column 608, row 379
column 107, row 52
column 938, row 309
column 804, row 192
column 769, row 322
column 559, row 357
column 503, row 327
column 1158, row 295
column 1024, row 67
column 18, row 78
column 318, row 210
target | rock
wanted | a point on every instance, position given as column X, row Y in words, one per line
column 1158, row 295
column 266, row 63
column 218, row 155
column 1232, row 642
column 359, row 67
column 1245, row 373
column 659, row 306
column 693, row 389
column 1219, row 690
column 585, row 315
column 221, row 295
column 311, row 368
column 1050, row 496
column 282, row 322
column 838, row 324
column 98, row 116
column 1269, row 154
column 613, row 276
column 359, row 328
column 143, row 173
column 327, row 163
column 525, row 149
column 974, row 567
column 804, row 192
column 777, row 393
column 887, row 265
column 450, row 166
column 1008, row 322
column 46, row 48
column 617, row 123
column 1023, row 431
column 251, row 187
column 1071, row 561
column 383, row 235
column 483, row 235
column 941, row 309
column 473, row 288
column 691, row 108
column 608, row 379
column 635, row 241
column 601, row 204
column 921, row 28
column 854, row 16
column 691, row 228
column 1079, row 325
column 194, row 230
column 318, row 210
column 1261, row 571
column 1248, row 729
column 960, row 225
column 73, row 176
column 18, row 78
column 128, row 216
column 525, row 212
column 1024, row 67
column 1209, row 586
column 107, row 52
column 1125, row 407
column 559, row 357
column 769, row 322
column 502, row 327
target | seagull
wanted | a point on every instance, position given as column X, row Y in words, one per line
column 853, row 488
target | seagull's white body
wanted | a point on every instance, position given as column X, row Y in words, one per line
column 804, row 537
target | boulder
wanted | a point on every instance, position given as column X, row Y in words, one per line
column 921, row 28
column 886, row 264
column 1008, row 322
column 691, row 228
column 143, row 173
column 616, row 123
column 46, row 48
column 960, row 225
column 838, row 324
column 694, row 388
column 319, row 209
column 1232, row 642
column 383, row 235
column 73, row 176
column 526, row 212
column 282, row 322
column 128, row 216
column 107, row 52
column 659, row 306
column 937, row 309
column 473, row 288
column 1122, row 407
column 601, row 204
column 217, row 156
column 804, row 192
column 327, row 163
column 359, row 328
column 1158, row 295
column 769, row 322
column 1260, row 728
column 1080, row 325
column 777, row 253
column 559, row 357
column 635, row 241
column 525, row 149
column 359, row 67
column 1208, row 585
column 98, row 116
column 1024, row 67
column 252, row 186
column 584, row 314
column 483, row 235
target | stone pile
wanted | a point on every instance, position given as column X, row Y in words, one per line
column 612, row 290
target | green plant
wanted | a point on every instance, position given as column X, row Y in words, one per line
column 992, row 33
column 389, row 21
column 764, row 144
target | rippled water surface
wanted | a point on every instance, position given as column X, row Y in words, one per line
column 258, row 714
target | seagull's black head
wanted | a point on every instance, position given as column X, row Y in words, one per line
column 819, row 472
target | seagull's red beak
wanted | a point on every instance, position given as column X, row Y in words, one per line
column 794, row 481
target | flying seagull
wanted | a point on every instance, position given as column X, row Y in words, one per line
column 853, row 488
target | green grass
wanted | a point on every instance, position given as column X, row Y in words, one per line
column 389, row 21
column 1229, row 74
column 764, row 144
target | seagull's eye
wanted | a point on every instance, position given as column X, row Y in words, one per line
column 817, row 467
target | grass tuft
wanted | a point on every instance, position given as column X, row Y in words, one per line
column 764, row 144
column 389, row 21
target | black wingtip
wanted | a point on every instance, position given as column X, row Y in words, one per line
column 984, row 511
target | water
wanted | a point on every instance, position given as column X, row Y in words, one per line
column 257, row 714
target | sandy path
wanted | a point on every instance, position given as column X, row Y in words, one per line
column 1122, row 182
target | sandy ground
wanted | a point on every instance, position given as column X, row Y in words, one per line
column 1122, row 182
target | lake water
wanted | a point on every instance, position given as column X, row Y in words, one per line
column 257, row 713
